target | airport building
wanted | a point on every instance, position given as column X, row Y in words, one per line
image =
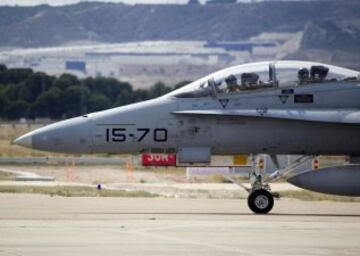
column 145, row 63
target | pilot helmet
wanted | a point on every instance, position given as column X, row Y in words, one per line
column 303, row 73
column 231, row 79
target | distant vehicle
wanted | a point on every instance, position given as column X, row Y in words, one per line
column 281, row 107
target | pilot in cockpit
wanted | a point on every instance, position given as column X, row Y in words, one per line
column 232, row 85
column 303, row 76
column 249, row 81
column 318, row 73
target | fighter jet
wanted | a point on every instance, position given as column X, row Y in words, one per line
column 279, row 107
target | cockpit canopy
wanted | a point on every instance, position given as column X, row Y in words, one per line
column 264, row 75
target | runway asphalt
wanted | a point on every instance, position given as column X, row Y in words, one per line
column 43, row 225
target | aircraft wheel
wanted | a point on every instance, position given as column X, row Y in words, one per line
column 260, row 201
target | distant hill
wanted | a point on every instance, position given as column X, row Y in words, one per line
column 49, row 26
column 331, row 41
column 331, row 28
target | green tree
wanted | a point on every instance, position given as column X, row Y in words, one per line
column 17, row 109
column 15, row 75
column 97, row 102
column 75, row 100
column 2, row 86
column 140, row 95
column 65, row 81
column 181, row 84
column 3, row 67
column 23, row 92
column 11, row 92
column 158, row 89
column 124, row 97
column 38, row 83
column 3, row 103
column 109, row 87
column 50, row 104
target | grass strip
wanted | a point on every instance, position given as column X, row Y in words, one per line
column 74, row 191
column 6, row 176
column 314, row 196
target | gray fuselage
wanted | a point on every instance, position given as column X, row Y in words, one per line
column 154, row 126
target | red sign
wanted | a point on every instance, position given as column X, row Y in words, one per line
column 159, row 159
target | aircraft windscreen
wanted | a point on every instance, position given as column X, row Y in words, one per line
column 298, row 73
column 195, row 89
column 251, row 76
column 264, row 75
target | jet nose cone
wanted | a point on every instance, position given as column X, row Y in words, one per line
column 24, row 141
column 69, row 136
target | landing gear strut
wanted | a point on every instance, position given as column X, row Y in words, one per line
column 260, row 200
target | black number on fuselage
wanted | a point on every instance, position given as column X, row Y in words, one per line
column 117, row 135
column 145, row 130
column 107, row 134
column 160, row 135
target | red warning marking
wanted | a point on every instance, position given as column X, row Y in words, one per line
column 159, row 159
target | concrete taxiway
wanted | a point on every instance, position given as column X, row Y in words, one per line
column 42, row 225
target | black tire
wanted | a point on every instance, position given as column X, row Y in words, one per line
column 260, row 201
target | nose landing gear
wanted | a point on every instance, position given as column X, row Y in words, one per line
column 260, row 201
